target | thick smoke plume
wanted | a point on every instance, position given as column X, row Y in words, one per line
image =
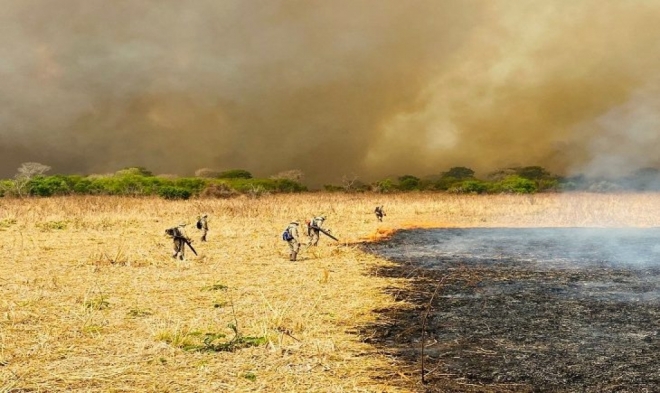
column 334, row 88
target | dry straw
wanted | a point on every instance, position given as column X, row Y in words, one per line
column 92, row 301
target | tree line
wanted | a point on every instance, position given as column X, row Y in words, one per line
column 515, row 180
column 31, row 180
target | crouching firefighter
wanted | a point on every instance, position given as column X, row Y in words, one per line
column 179, row 239
column 314, row 229
column 292, row 237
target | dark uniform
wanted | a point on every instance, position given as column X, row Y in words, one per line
column 379, row 213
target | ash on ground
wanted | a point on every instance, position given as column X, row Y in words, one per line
column 516, row 310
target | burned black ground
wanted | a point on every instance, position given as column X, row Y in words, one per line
column 559, row 310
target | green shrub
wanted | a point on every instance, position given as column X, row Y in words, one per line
column 6, row 187
column 134, row 170
column 288, row 185
column 514, row 185
column 138, row 181
column 247, row 186
column 384, row 186
column 218, row 190
column 192, row 184
column 124, row 184
column 533, row 173
column 235, row 174
column 470, row 187
column 445, row 183
column 46, row 186
column 170, row 192
column 128, row 185
column 408, row 183
column 332, row 188
column 91, row 186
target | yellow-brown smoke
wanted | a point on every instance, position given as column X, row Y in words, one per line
column 367, row 88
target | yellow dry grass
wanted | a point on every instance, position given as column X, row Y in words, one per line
column 92, row 301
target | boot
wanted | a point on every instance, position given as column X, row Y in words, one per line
column 291, row 257
column 294, row 256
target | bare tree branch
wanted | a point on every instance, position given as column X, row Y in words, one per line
column 26, row 172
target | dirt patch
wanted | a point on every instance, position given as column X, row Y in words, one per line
column 500, row 323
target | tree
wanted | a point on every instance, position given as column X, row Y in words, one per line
column 459, row 172
column 384, row 186
column 533, row 173
column 349, row 182
column 26, row 172
column 408, row 182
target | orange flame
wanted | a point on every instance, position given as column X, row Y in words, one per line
column 383, row 233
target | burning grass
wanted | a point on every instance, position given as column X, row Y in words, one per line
column 91, row 299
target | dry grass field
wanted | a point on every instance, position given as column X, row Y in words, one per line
column 91, row 299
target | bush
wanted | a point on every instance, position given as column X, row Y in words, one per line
column 194, row 185
column 235, row 174
column 445, row 183
column 124, row 184
column 514, row 185
column 134, row 170
column 218, row 190
column 533, row 173
column 6, row 187
column 127, row 184
column 332, row 188
column 84, row 186
column 288, row 185
column 49, row 186
column 170, row 192
column 548, row 185
column 408, row 183
column 470, row 187
column 384, row 186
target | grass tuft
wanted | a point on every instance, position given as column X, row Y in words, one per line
column 97, row 303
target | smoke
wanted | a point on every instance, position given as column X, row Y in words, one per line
column 536, row 248
column 334, row 88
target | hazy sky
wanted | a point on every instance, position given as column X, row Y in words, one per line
column 367, row 88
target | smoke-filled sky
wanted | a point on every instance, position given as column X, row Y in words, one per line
column 369, row 88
